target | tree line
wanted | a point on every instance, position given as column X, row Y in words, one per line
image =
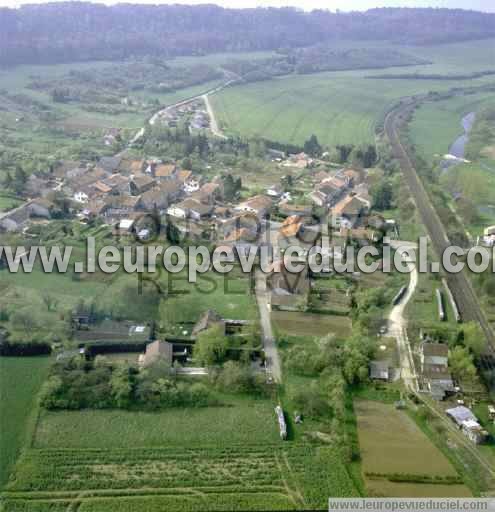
column 81, row 31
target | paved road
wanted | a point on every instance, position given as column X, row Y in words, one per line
column 273, row 360
column 460, row 284
column 204, row 96
column 397, row 323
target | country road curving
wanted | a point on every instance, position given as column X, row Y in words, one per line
column 203, row 96
column 460, row 284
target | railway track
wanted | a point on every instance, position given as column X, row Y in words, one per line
column 460, row 285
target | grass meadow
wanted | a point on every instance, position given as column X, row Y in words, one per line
column 437, row 125
column 341, row 107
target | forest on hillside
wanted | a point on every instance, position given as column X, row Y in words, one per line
column 79, row 31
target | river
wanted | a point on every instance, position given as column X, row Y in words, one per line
column 458, row 147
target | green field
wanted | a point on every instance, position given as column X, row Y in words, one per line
column 437, row 125
column 341, row 107
column 239, row 420
column 220, row 458
column 20, row 380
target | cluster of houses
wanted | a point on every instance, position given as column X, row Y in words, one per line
column 194, row 112
column 345, row 194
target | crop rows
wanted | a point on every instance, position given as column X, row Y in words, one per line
column 61, row 470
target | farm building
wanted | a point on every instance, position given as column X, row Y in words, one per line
column 468, row 423
column 379, row 370
column 157, row 351
column 257, row 205
column 435, row 369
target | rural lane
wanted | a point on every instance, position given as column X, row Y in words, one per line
column 273, row 364
column 203, row 96
column 397, row 322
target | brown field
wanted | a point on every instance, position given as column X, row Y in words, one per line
column 407, row 490
column 391, row 443
column 308, row 324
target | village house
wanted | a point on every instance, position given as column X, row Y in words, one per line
column 93, row 209
column 164, row 172
column 208, row 193
column 340, row 184
column 353, row 177
column 109, row 164
column 468, row 423
column 301, row 161
column 257, row 205
column 190, row 208
column 81, row 187
column 288, row 291
column 348, row 212
column 434, row 358
column 229, row 224
column 156, row 351
column 325, row 194
column 40, row 207
column 120, row 206
column 140, row 184
column 118, row 184
column 296, row 230
column 287, row 209
column 161, row 196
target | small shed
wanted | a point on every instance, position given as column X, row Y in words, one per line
column 379, row 370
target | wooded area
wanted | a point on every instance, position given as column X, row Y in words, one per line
column 63, row 32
